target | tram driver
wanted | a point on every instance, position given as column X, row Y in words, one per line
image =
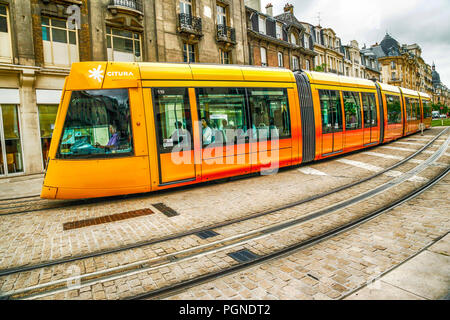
column 113, row 142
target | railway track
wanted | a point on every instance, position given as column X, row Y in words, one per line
column 236, row 241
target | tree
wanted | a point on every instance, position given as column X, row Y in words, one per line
column 321, row 68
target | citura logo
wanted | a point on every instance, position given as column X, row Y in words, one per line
column 97, row 74
column 119, row 73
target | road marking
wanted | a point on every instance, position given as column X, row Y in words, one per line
column 389, row 156
column 370, row 167
column 398, row 148
column 315, row 172
column 411, row 143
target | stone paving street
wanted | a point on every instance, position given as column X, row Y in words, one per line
column 336, row 267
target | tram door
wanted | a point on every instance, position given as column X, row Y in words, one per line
column 332, row 123
column 370, row 118
column 174, row 135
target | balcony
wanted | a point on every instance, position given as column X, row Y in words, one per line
column 226, row 34
column 332, row 70
column 126, row 5
column 190, row 25
column 395, row 79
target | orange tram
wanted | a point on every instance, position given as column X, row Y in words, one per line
column 124, row 128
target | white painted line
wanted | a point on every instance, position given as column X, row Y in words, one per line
column 389, row 156
column 370, row 167
column 361, row 165
column 311, row 171
column 398, row 148
column 411, row 143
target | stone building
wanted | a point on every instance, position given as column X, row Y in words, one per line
column 402, row 65
column 441, row 94
column 279, row 41
column 40, row 39
column 328, row 48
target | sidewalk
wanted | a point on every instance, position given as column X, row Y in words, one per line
column 21, row 186
column 424, row 277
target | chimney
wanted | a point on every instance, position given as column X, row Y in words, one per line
column 289, row 8
column 269, row 9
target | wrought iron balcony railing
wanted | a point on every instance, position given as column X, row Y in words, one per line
column 226, row 33
column 132, row 4
column 190, row 23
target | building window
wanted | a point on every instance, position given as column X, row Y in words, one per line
column 47, row 117
column 307, row 65
column 221, row 15
column 10, row 143
column 318, row 37
column 225, row 56
column 293, row 39
column 280, row 59
column 186, row 7
column 393, row 67
column 263, row 57
column 295, row 63
column 306, row 41
column 279, row 30
column 60, row 42
column 5, row 37
column 189, row 53
column 123, row 45
column 262, row 25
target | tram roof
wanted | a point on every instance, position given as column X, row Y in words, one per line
column 98, row 75
column 409, row 92
column 331, row 78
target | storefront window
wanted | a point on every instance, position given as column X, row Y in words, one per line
column 11, row 148
column 47, row 117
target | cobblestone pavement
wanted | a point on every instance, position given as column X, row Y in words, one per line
column 335, row 267
column 39, row 236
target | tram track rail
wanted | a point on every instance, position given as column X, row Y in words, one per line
column 161, row 261
column 24, row 268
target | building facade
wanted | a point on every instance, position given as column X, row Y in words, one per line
column 279, row 41
column 402, row 65
column 40, row 39
column 328, row 48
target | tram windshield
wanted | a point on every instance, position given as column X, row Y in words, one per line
column 97, row 124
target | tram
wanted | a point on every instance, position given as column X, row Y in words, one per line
column 124, row 128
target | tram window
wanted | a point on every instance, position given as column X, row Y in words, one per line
column 418, row 115
column 97, row 124
column 330, row 105
column 173, row 119
column 426, row 108
column 370, row 110
column 393, row 109
column 270, row 113
column 352, row 107
column 223, row 116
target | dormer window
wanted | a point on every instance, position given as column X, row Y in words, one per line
column 293, row 39
column 262, row 25
column 279, row 30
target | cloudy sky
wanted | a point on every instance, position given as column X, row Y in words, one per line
column 425, row 22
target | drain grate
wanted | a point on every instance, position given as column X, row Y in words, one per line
column 165, row 209
column 206, row 234
column 106, row 219
column 243, row 255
